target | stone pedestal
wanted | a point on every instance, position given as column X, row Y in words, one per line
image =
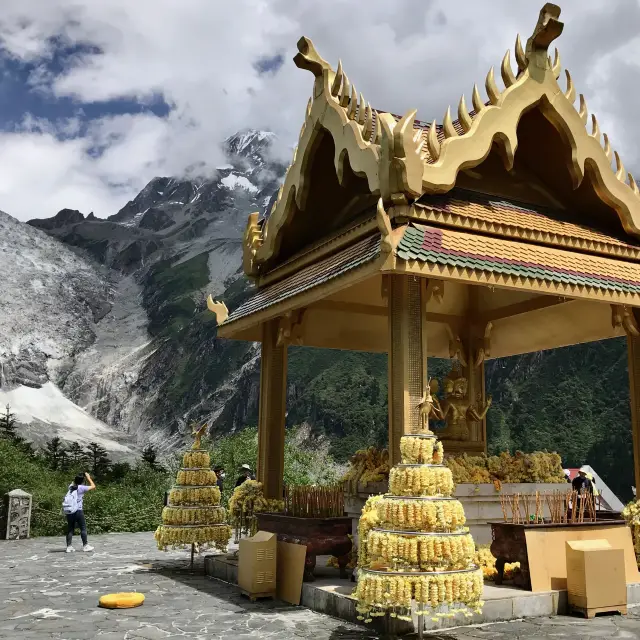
column 16, row 515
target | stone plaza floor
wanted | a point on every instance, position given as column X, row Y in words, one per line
column 48, row 594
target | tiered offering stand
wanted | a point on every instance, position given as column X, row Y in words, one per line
column 193, row 515
column 420, row 549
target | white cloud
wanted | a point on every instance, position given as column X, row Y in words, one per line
column 200, row 57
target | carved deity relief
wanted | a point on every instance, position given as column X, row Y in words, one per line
column 457, row 410
column 17, row 516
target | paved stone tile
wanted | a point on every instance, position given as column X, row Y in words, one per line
column 46, row 594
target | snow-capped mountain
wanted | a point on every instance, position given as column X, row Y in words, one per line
column 147, row 361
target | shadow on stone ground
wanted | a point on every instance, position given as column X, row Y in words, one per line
column 181, row 572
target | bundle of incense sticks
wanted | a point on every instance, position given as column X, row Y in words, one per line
column 583, row 507
column 314, row 502
column 522, row 508
column 563, row 507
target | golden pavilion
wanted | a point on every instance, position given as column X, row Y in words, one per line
column 511, row 229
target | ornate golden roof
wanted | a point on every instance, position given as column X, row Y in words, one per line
column 402, row 158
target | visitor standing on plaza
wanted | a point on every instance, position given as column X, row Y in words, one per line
column 72, row 507
column 245, row 474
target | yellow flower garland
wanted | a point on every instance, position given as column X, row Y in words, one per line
column 379, row 594
column 631, row 513
column 194, row 515
column 204, row 515
column 219, row 535
column 368, row 520
column 420, row 515
column 428, row 553
column 421, row 450
column 433, row 570
column 196, row 459
column 193, row 496
column 421, row 481
column 195, row 478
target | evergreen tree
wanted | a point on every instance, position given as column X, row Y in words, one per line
column 55, row 453
column 8, row 424
column 98, row 459
column 8, row 430
column 119, row 471
column 150, row 456
column 76, row 456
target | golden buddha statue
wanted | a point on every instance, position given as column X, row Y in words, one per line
column 456, row 408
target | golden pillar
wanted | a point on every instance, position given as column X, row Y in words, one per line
column 633, row 350
column 407, row 357
column 478, row 341
column 271, row 418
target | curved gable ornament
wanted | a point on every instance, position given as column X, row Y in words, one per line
column 387, row 153
column 535, row 84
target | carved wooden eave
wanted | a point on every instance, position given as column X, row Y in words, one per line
column 534, row 85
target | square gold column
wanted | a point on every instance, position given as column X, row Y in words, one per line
column 271, row 418
column 407, row 358
column 633, row 350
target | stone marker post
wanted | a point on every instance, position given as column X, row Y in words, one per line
column 16, row 516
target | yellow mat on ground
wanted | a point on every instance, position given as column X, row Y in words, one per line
column 121, row 600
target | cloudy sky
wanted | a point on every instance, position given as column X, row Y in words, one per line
column 99, row 96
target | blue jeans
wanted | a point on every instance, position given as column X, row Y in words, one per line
column 76, row 520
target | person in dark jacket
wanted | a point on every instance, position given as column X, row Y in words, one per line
column 581, row 482
column 245, row 474
column 220, row 475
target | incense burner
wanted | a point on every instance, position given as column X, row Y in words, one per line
column 321, row 536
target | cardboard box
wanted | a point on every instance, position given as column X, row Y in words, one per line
column 291, row 559
column 257, row 564
column 595, row 575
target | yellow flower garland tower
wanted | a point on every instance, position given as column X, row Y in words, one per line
column 194, row 515
column 418, row 548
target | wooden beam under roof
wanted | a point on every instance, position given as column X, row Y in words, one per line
column 519, row 308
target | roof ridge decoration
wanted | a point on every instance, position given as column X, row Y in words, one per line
column 536, row 83
column 390, row 154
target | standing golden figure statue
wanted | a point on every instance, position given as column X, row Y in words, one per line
column 197, row 434
column 456, row 409
column 429, row 406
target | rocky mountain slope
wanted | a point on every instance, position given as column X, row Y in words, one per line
column 50, row 302
column 154, row 363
